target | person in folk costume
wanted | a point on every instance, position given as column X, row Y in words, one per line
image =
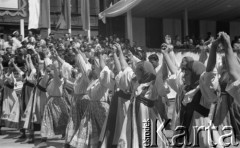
column 162, row 74
column 192, row 107
column 213, row 84
column 55, row 115
column 27, row 93
column 101, row 80
column 121, row 98
column 11, row 110
column 120, row 101
column 38, row 99
column 79, row 87
column 233, row 67
column 142, row 110
column 1, row 92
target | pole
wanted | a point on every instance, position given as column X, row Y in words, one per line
column 89, row 34
column 49, row 31
column 129, row 27
column 69, row 30
column 185, row 22
column 22, row 28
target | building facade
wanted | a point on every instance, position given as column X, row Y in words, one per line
column 10, row 17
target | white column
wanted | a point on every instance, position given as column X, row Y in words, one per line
column 186, row 22
column 22, row 27
column 49, row 31
column 129, row 27
column 70, row 31
column 89, row 34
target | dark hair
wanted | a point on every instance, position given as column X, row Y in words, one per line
column 153, row 57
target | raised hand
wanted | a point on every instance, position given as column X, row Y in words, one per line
column 226, row 41
column 114, row 49
column 118, row 46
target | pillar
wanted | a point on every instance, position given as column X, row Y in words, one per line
column 185, row 22
column 129, row 27
column 22, row 27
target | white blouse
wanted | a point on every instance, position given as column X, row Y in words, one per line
column 234, row 90
column 98, row 89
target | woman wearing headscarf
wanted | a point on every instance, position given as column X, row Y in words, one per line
column 27, row 93
column 233, row 69
column 10, row 112
column 213, row 84
column 120, row 102
column 192, row 108
column 79, row 86
column 38, row 99
column 55, row 115
column 142, row 110
column 95, row 104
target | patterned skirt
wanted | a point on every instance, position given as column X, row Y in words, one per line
column 75, row 116
column 88, row 132
column 55, row 117
column 35, row 108
column 10, row 112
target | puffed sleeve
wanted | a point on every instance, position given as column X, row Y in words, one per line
column 32, row 74
column 11, row 79
column 234, row 90
column 175, row 81
column 162, row 88
column 123, row 79
column 209, row 85
column 105, row 77
column 84, row 66
column 66, row 70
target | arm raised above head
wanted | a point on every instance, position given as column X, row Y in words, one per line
column 212, row 55
column 231, row 60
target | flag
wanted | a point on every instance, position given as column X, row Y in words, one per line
column 118, row 8
column 34, row 14
column 85, row 14
column 45, row 14
column 64, row 21
column 39, row 14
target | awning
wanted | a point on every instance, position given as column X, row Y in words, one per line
column 197, row 9
column 119, row 8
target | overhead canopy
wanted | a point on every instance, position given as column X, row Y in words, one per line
column 197, row 9
column 119, row 8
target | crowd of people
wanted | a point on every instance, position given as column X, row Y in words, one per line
column 101, row 94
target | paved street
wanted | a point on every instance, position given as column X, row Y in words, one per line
column 9, row 137
column 9, row 140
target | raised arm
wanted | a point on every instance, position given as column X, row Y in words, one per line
column 31, row 63
column 231, row 60
column 1, row 67
column 212, row 56
column 123, row 61
column 101, row 61
column 172, row 67
column 58, row 57
column 116, row 60
column 27, row 63
column 17, row 68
